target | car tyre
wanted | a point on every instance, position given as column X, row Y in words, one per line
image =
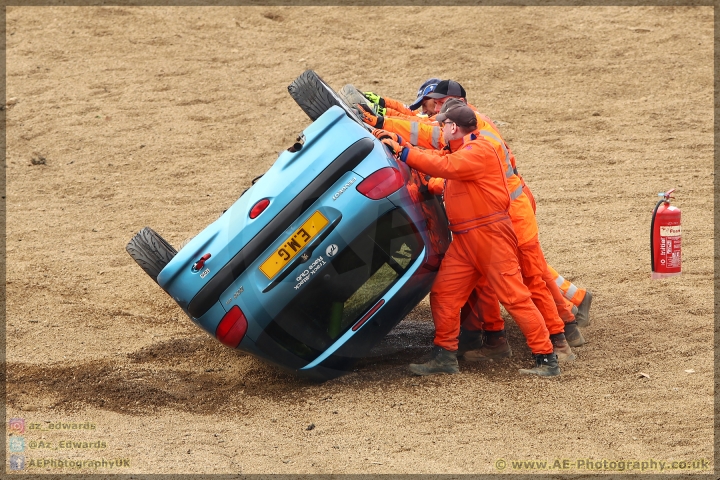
column 150, row 251
column 315, row 97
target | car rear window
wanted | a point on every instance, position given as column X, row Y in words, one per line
column 348, row 285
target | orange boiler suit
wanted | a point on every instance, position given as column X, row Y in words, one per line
column 537, row 274
column 483, row 250
column 397, row 109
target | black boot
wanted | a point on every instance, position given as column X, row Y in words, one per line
column 583, row 314
column 494, row 346
column 545, row 366
column 573, row 335
column 469, row 340
column 442, row 361
column 561, row 348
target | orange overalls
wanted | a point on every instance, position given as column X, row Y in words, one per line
column 395, row 108
column 483, row 250
column 545, row 295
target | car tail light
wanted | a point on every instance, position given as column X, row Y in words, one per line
column 259, row 207
column 232, row 327
column 381, row 183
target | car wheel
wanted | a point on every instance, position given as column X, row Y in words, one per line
column 315, row 97
column 150, row 251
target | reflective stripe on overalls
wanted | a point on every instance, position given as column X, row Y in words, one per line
column 566, row 287
column 509, row 171
column 415, row 134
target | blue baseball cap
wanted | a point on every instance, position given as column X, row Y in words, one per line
column 425, row 88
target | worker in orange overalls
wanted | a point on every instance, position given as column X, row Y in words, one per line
column 483, row 303
column 484, row 246
column 486, row 316
column 578, row 299
column 428, row 135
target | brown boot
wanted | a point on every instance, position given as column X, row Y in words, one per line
column 573, row 335
column 442, row 361
column 495, row 346
column 561, row 348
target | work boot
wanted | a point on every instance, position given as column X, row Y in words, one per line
column 546, row 365
column 441, row 361
column 561, row 348
column 582, row 317
column 573, row 335
column 469, row 340
column 494, row 346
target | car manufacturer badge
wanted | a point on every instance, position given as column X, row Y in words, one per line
column 344, row 187
column 331, row 250
column 235, row 295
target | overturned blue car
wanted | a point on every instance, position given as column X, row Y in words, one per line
column 320, row 258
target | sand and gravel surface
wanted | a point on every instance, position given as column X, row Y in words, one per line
column 120, row 117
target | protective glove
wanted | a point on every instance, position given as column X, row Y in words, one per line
column 369, row 117
column 380, row 134
column 376, row 99
column 398, row 150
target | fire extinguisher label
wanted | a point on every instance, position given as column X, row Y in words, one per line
column 670, row 256
column 670, row 231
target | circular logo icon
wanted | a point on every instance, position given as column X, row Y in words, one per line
column 331, row 250
column 500, row 464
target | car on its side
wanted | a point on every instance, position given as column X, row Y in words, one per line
column 320, row 258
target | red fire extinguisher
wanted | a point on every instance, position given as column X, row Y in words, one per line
column 665, row 246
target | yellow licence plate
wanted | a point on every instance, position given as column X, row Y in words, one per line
column 290, row 248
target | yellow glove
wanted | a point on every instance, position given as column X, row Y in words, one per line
column 374, row 98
